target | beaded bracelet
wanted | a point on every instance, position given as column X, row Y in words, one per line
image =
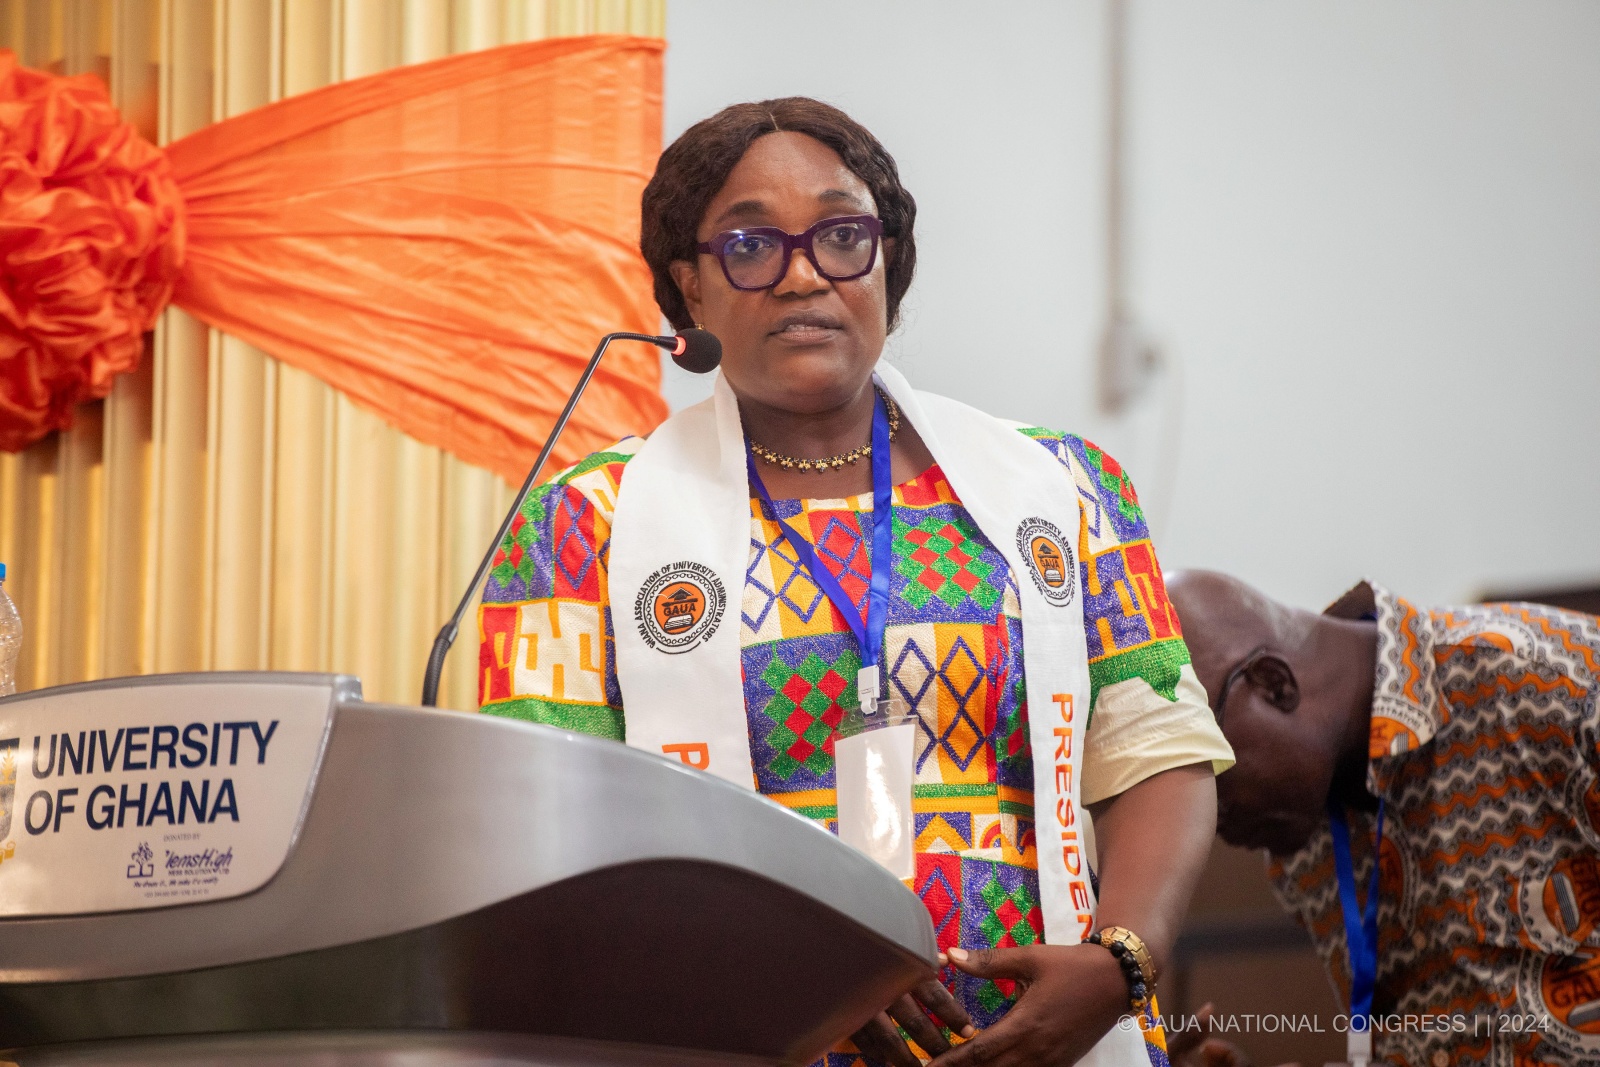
column 1134, row 958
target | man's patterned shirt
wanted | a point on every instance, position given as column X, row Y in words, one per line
column 1484, row 747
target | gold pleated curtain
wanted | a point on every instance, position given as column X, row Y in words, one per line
column 220, row 510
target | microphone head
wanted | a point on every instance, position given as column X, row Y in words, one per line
column 698, row 351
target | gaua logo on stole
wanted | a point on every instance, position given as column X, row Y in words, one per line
column 1049, row 559
column 679, row 607
column 8, row 795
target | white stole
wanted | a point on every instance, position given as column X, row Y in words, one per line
column 680, row 549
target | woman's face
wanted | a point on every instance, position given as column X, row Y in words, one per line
column 806, row 345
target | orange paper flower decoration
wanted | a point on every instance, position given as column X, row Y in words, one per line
column 442, row 243
column 91, row 241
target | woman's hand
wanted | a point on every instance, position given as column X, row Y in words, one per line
column 882, row 1041
column 1069, row 996
column 1153, row 838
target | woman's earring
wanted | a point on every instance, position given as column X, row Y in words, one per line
column 698, row 326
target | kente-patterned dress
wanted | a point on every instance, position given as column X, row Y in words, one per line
column 953, row 656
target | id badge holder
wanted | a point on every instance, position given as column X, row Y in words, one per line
column 1358, row 1048
column 874, row 756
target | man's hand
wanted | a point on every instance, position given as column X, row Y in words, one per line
column 1193, row 1048
column 1068, row 998
column 881, row 1040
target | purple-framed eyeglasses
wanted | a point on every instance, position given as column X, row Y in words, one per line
column 757, row 257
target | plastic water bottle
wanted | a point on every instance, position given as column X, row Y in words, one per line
column 10, row 639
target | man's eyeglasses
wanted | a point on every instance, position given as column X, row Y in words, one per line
column 757, row 257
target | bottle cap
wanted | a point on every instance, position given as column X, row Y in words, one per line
column 2, row 572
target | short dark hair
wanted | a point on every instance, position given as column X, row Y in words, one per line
column 694, row 168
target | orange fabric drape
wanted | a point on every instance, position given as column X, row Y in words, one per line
column 444, row 243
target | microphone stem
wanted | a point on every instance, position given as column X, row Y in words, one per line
column 447, row 634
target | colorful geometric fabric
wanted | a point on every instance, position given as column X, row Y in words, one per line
column 1484, row 746
column 952, row 656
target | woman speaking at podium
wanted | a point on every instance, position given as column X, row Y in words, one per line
column 819, row 564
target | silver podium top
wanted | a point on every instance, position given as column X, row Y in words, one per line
column 270, row 861
column 419, row 815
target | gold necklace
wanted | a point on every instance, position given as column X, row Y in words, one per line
column 778, row 459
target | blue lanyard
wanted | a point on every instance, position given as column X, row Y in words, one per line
column 1360, row 926
column 869, row 634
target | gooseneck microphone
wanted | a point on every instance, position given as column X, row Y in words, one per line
column 694, row 350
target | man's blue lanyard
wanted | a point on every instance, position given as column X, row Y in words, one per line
column 870, row 633
column 1360, row 925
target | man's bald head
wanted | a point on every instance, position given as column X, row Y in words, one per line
column 1279, row 681
column 1224, row 621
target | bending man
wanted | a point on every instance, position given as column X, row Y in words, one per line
column 1473, row 731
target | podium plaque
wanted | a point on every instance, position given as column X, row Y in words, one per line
column 261, row 868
